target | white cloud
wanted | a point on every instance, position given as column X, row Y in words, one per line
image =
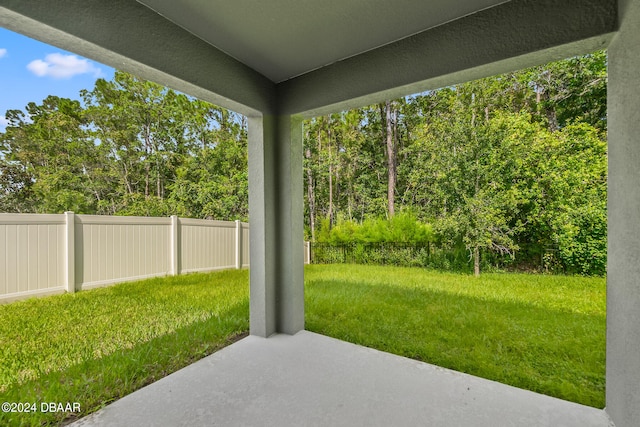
column 61, row 66
column 3, row 52
column 3, row 122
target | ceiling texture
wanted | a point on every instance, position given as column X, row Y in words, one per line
column 284, row 39
column 311, row 57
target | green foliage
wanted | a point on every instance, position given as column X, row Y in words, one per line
column 48, row 159
column 16, row 188
column 138, row 205
column 512, row 165
column 402, row 228
column 214, row 184
column 565, row 180
column 571, row 90
column 135, row 148
column 582, row 240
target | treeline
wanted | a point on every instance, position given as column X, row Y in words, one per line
column 512, row 166
column 133, row 148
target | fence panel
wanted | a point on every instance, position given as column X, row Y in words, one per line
column 112, row 249
column 31, row 247
column 206, row 245
column 45, row 254
column 307, row 252
column 245, row 244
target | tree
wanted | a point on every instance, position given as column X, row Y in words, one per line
column 49, row 163
column 16, row 192
column 514, row 162
column 213, row 183
column 390, row 120
column 143, row 128
column 570, row 90
column 126, row 152
column 566, row 186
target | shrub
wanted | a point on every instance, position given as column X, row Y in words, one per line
column 402, row 228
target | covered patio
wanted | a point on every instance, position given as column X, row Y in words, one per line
column 308, row 379
column 279, row 62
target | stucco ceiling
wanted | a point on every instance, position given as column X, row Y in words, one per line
column 286, row 38
column 311, row 57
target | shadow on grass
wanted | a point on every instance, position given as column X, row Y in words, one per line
column 551, row 351
column 95, row 383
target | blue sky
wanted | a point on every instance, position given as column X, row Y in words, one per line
column 31, row 70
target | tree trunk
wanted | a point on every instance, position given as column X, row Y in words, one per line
column 146, row 179
column 552, row 119
column 391, row 159
column 476, row 261
column 126, row 178
column 311, row 197
column 147, row 167
column 543, row 100
column 331, row 213
column 158, row 181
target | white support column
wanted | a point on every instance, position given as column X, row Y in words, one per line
column 175, row 246
column 275, row 215
column 238, row 244
column 623, row 269
column 70, row 253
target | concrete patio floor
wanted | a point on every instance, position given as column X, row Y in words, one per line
column 312, row 380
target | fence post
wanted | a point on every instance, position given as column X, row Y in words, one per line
column 238, row 244
column 70, row 267
column 175, row 247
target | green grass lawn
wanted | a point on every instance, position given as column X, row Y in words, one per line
column 96, row 346
column 543, row 333
column 538, row 332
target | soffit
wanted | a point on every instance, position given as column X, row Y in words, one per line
column 282, row 39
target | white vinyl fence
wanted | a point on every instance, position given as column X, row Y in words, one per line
column 48, row 254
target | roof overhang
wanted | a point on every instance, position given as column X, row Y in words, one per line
column 309, row 58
